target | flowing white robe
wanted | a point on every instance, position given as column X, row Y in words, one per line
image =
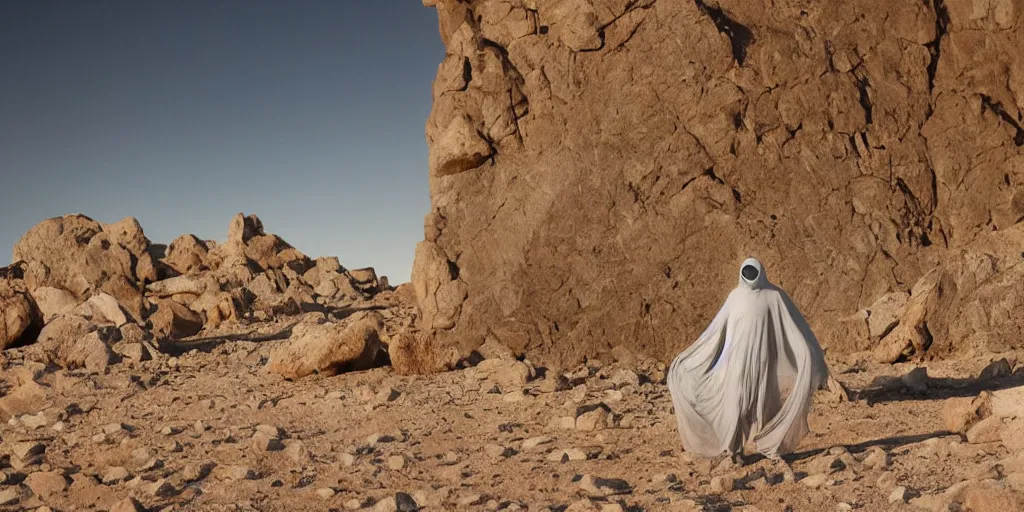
column 727, row 386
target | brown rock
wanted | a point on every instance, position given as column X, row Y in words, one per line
column 91, row 351
column 28, row 397
column 571, row 175
column 414, row 353
column 172, row 320
column 329, row 347
column 46, row 484
column 509, row 375
column 990, row 497
column 20, row 318
column 127, row 505
column 77, row 254
column 960, row 414
column 985, row 431
column 187, row 254
column 54, row 302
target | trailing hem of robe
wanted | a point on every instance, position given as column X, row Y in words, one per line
column 727, row 388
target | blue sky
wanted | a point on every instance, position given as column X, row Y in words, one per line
column 307, row 113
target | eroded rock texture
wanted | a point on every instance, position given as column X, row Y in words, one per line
column 598, row 168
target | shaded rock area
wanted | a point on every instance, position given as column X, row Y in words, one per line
column 86, row 295
column 599, row 168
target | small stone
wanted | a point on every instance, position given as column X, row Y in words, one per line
column 353, row 504
column 325, row 493
column 612, row 507
column 169, row 430
column 115, row 475
column 1015, row 481
column 127, row 505
column 9, row 496
column 815, row 481
column 985, row 431
column 269, row 430
column 470, row 500
column 386, row 505
column 45, row 484
column 386, row 395
column 450, row 458
column 623, row 378
column 58, row 426
column 916, row 380
column 405, row 503
column 877, row 458
column 375, row 439
column 602, row 487
column 593, row 417
column 264, row 443
column 347, row 459
column 334, row 395
column 898, row 495
column 113, row 428
column 160, row 488
column 534, row 442
column 195, row 472
column 497, row 451
column 172, row 447
column 234, row 473
column 28, row 450
column 996, row 369
column 571, row 454
column 396, row 462
column 34, row 421
column 722, row 484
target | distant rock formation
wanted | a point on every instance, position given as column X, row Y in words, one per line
column 86, row 295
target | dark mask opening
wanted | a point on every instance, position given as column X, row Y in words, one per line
column 749, row 272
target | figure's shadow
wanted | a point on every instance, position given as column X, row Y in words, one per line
column 937, row 388
column 886, row 443
column 177, row 347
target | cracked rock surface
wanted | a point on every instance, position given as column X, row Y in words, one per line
column 600, row 167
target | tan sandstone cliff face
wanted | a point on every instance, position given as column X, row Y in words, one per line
column 599, row 168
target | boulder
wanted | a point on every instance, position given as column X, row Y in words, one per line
column 187, row 254
column 172, row 320
column 329, row 347
column 54, row 301
column 20, row 318
column 415, row 353
column 365, row 279
column 960, row 414
column 26, row 397
column 91, row 351
column 77, row 254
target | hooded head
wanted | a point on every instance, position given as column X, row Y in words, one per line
column 752, row 274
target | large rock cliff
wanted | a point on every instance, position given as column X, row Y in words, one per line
column 599, row 168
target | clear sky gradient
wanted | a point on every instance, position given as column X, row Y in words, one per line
column 308, row 113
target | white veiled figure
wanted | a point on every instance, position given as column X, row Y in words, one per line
column 728, row 387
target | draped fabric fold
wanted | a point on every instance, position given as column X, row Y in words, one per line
column 731, row 385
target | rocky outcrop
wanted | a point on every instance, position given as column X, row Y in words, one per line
column 76, row 315
column 84, row 257
column 599, row 168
